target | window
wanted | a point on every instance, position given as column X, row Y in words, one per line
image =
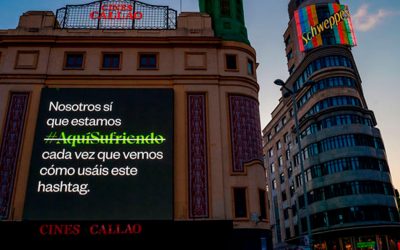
column 291, row 69
column 272, row 168
column 290, row 172
column 225, row 8
column 111, row 61
column 280, row 124
column 288, row 154
column 282, row 178
column 292, row 190
column 354, row 214
column 320, row 63
column 342, row 141
column 296, row 159
column 263, row 208
column 250, row 67
column 240, row 202
column 286, row 213
column 271, row 152
column 349, row 188
column 289, row 55
column 274, row 184
column 286, row 138
column 280, row 161
column 148, row 61
column 278, row 145
column 269, row 137
column 74, row 60
column 331, row 82
column 284, row 120
column 231, row 62
column 337, row 120
column 284, row 196
column 287, row 41
column 332, row 102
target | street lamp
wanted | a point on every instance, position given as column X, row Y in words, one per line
column 292, row 93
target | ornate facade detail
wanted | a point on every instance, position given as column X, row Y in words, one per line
column 245, row 131
column 198, row 164
column 10, row 147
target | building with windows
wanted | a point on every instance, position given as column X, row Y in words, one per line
column 71, row 88
column 350, row 197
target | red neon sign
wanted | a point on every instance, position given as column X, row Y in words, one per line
column 116, row 11
column 93, row 229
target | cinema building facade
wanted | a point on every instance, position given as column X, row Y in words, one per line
column 346, row 192
column 129, row 120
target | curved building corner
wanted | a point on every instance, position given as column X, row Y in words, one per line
column 351, row 200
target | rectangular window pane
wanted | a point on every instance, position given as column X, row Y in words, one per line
column 148, row 61
column 74, row 61
column 231, row 62
column 111, row 61
column 225, row 8
column 250, row 67
column 240, row 202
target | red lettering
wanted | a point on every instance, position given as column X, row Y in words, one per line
column 72, row 229
column 57, row 230
column 138, row 15
column 134, row 229
column 116, row 14
column 94, row 15
column 61, row 229
column 115, row 229
column 43, row 229
column 93, row 229
column 110, row 15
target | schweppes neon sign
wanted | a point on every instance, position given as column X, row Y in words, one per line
column 310, row 29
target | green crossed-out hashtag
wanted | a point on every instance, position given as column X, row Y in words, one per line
column 50, row 138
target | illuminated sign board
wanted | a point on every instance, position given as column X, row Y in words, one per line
column 117, row 14
column 116, row 11
column 337, row 27
column 366, row 244
column 102, row 154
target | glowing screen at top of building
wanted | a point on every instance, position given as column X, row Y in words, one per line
column 319, row 25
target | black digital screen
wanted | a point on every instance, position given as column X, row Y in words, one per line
column 102, row 154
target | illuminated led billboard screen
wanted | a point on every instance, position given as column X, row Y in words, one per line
column 102, row 154
column 334, row 27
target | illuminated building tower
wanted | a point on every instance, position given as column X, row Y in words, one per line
column 124, row 111
column 351, row 202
